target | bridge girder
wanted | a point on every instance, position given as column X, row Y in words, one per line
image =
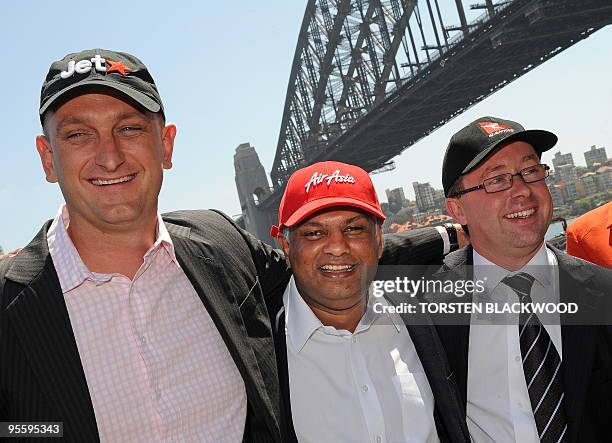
column 345, row 62
column 366, row 83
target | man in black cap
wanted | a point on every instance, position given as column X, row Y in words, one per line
column 120, row 324
column 527, row 376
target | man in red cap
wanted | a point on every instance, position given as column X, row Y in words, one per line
column 351, row 374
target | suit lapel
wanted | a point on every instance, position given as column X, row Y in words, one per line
column 37, row 312
column 209, row 279
column 456, row 341
column 456, row 338
column 280, row 340
column 578, row 340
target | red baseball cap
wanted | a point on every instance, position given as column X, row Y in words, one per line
column 322, row 185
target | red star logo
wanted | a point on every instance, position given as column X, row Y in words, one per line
column 117, row 67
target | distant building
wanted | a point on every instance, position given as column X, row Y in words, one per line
column 556, row 191
column 424, row 217
column 395, row 194
column 440, row 199
column 571, row 191
column 566, row 173
column 396, row 198
column 595, row 155
column 562, row 159
column 438, row 220
column 605, row 176
column 589, row 183
column 425, row 196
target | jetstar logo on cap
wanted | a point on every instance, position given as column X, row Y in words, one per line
column 98, row 63
column 492, row 128
column 318, row 178
column 117, row 67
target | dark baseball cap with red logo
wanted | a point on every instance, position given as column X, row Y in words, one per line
column 99, row 68
column 323, row 185
column 473, row 144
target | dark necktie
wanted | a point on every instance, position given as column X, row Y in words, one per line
column 542, row 367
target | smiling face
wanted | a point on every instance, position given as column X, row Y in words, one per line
column 334, row 255
column 108, row 158
column 506, row 227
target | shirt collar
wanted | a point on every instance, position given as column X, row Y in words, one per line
column 70, row 268
column 71, row 271
column 301, row 322
column 162, row 237
column 540, row 267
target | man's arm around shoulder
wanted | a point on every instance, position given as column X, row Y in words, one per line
column 271, row 269
column 423, row 246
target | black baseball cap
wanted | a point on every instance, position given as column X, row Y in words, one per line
column 472, row 144
column 99, row 68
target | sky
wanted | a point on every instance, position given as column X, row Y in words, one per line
column 222, row 70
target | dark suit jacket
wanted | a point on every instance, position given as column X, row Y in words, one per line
column 587, row 349
column 41, row 376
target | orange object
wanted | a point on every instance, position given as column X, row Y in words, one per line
column 590, row 236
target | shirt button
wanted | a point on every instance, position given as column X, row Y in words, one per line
column 517, row 358
column 354, row 340
column 378, row 439
column 143, row 340
column 364, row 388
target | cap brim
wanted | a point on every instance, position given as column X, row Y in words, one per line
column 316, row 205
column 142, row 99
column 541, row 141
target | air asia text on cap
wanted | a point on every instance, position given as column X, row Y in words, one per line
column 317, row 178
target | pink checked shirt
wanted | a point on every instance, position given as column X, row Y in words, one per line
column 156, row 366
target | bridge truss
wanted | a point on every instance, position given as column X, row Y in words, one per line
column 372, row 77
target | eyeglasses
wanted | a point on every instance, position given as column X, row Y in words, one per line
column 502, row 182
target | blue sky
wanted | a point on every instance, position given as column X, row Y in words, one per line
column 222, row 70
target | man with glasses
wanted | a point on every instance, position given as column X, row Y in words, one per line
column 523, row 376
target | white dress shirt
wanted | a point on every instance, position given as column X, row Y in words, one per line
column 366, row 386
column 498, row 405
column 156, row 366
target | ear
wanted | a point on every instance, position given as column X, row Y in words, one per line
column 455, row 209
column 284, row 244
column 168, row 134
column 43, row 146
